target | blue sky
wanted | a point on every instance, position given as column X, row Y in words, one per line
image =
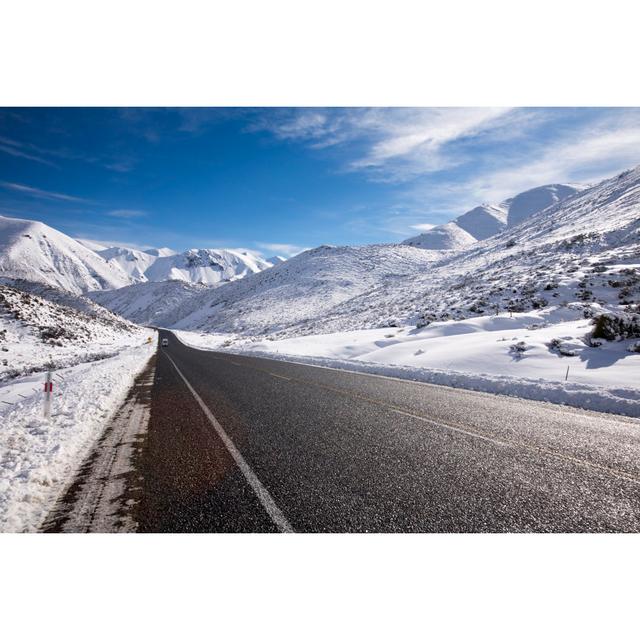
column 278, row 180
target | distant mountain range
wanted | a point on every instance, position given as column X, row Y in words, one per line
column 33, row 251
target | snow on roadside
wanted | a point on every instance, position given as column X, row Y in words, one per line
column 525, row 355
column 38, row 457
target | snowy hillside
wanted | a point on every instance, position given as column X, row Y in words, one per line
column 206, row 266
column 151, row 303
column 577, row 252
column 36, row 252
column 36, row 332
column 488, row 220
column 305, row 289
column 444, row 237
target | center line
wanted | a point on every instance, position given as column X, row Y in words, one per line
column 473, row 434
column 259, row 489
column 275, row 375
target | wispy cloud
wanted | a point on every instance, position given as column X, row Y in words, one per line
column 121, row 165
column 44, row 155
column 126, row 213
column 286, row 250
column 590, row 157
column 17, row 150
column 40, row 193
column 396, row 144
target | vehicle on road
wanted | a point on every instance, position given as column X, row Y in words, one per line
column 165, row 342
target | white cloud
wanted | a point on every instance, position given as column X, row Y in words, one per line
column 126, row 213
column 590, row 156
column 40, row 193
column 18, row 150
column 420, row 134
column 395, row 143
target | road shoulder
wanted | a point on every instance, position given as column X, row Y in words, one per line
column 103, row 494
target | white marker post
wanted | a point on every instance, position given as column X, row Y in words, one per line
column 48, row 393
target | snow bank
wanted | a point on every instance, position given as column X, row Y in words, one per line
column 38, row 457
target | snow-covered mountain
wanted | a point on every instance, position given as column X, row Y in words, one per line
column 295, row 291
column 38, row 253
column 444, row 237
column 206, row 266
column 197, row 266
column 274, row 260
column 304, row 288
column 132, row 261
column 527, row 203
column 582, row 252
column 487, row 220
column 35, row 252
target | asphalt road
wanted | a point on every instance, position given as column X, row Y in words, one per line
column 248, row 444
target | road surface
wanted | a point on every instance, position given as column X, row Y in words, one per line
column 240, row 443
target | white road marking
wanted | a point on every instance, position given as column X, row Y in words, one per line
column 259, row 489
column 443, row 425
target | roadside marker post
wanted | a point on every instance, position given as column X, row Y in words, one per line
column 566, row 377
column 48, row 393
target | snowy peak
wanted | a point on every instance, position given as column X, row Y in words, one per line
column 488, row 220
column 483, row 221
column 274, row 260
column 477, row 224
column 197, row 266
column 608, row 212
column 33, row 251
column 206, row 266
column 444, row 237
column 530, row 202
column 132, row 261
